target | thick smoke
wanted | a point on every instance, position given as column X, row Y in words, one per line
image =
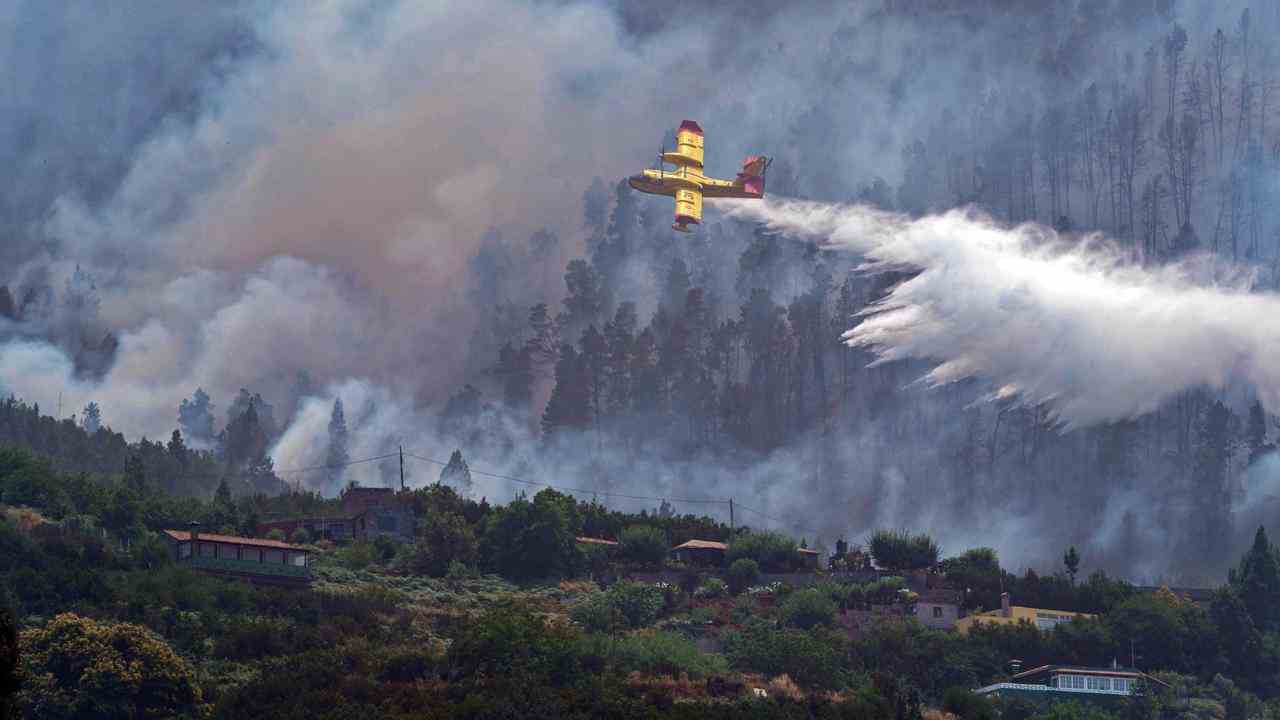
column 268, row 188
column 1048, row 320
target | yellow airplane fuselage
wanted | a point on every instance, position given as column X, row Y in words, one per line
column 687, row 183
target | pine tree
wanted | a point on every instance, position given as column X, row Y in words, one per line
column 91, row 420
column 1256, row 434
column 195, row 417
column 619, row 334
column 646, row 383
column 1216, row 442
column 676, row 286
column 135, row 475
column 1257, row 580
column 178, row 449
column 584, row 303
column 595, row 360
column 338, row 455
column 1072, row 560
column 569, row 406
column 456, row 474
column 515, row 369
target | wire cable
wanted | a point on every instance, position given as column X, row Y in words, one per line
column 569, row 489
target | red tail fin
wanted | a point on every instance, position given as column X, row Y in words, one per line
column 752, row 176
column 753, row 166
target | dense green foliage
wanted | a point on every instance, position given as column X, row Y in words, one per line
column 900, row 550
column 74, row 667
column 806, row 608
column 643, row 544
column 370, row 638
column 773, row 552
column 742, row 574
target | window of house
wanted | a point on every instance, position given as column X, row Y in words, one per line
column 937, row 611
column 1099, row 683
column 387, row 523
column 1120, row 684
column 275, row 557
column 184, row 550
column 208, row 549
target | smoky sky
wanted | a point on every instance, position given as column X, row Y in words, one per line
column 263, row 188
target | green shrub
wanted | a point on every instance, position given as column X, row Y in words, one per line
column 276, row 534
column 712, row 587
column 840, row 593
column 510, row 640
column 643, row 544
column 661, row 653
column 299, row 537
column 639, row 604
column 962, row 703
column 812, row 660
column 742, row 574
column 407, row 664
column 743, row 610
column 358, row 555
column 900, row 550
column 446, row 539
column 701, row 616
column 624, row 605
column 806, row 608
column 772, row 551
column 596, row 614
column 384, row 547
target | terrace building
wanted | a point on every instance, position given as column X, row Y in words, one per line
column 938, row 608
column 248, row 559
column 366, row 513
column 1056, row 683
column 1013, row 614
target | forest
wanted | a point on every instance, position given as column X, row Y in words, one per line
column 495, row 611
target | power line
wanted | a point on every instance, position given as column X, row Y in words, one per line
column 780, row 521
column 335, row 466
column 332, row 466
column 569, row 489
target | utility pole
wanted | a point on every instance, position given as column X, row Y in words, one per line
column 730, row 514
column 401, row 468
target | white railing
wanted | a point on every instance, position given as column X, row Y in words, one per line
column 1045, row 688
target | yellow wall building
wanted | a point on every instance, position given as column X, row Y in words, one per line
column 1010, row 614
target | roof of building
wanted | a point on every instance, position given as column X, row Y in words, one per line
column 185, row 535
column 1198, row 595
column 939, row 596
column 1080, row 670
column 363, row 489
column 999, row 612
column 807, row 551
column 290, row 521
column 701, row 545
column 596, row 541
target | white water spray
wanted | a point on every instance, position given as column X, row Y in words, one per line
column 1072, row 324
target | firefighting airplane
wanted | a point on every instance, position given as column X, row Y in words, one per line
column 688, row 185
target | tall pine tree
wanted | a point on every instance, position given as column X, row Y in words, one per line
column 338, row 456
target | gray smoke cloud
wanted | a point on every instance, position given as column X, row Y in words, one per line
column 263, row 188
